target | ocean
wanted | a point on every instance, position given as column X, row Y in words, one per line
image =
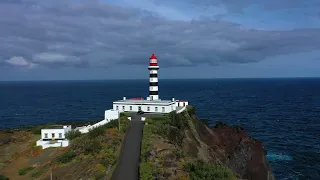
column 282, row 113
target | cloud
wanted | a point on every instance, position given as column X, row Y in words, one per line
column 20, row 62
column 69, row 33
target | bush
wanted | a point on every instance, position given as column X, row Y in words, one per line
column 2, row 177
column 112, row 124
column 191, row 110
column 125, row 127
column 66, row 157
column 92, row 147
column 39, row 172
column 95, row 132
column 147, row 171
column 25, row 170
column 109, row 158
column 203, row 170
column 73, row 134
column 87, row 145
column 124, row 114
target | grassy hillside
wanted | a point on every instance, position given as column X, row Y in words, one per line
column 89, row 156
column 171, row 149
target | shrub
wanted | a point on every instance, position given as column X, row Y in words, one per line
column 147, row 171
column 87, row 145
column 92, row 147
column 66, row 157
column 203, row 170
column 109, row 158
column 2, row 177
column 112, row 124
column 73, row 134
column 191, row 110
column 100, row 172
column 125, row 127
column 124, row 114
column 39, row 172
column 95, row 132
column 25, row 170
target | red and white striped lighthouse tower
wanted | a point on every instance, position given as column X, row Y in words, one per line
column 153, row 80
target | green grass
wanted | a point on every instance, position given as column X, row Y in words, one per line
column 147, row 171
column 2, row 177
column 202, row 170
column 146, row 168
column 25, row 170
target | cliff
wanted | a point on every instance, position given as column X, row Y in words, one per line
column 180, row 146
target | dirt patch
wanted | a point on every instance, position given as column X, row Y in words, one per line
column 43, row 158
column 12, row 169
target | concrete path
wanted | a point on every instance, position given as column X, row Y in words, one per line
column 128, row 165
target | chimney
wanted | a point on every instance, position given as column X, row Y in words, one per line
column 124, row 98
column 173, row 99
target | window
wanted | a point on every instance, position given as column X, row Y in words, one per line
column 148, row 109
column 60, row 135
column 162, row 109
column 117, row 107
column 156, row 109
column 139, row 108
column 122, row 108
column 45, row 135
column 130, row 108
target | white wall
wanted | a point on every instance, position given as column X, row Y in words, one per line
column 56, row 133
column 180, row 104
column 111, row 114
column 135, row 108
column 47, row 144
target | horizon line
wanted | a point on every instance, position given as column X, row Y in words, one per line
column 123, row 79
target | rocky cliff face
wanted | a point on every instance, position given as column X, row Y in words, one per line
column 229, row 146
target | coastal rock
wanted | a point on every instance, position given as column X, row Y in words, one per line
column 232, row 147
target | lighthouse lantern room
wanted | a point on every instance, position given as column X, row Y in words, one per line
column 152, row 104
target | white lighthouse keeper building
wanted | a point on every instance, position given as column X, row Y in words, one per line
column 152, row 104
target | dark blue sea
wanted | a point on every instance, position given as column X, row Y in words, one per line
column 282, row 113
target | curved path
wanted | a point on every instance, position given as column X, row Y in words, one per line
column 128, row 165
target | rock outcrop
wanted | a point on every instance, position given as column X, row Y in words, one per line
column 229, row 146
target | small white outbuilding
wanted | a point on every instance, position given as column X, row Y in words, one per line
column 54, row 136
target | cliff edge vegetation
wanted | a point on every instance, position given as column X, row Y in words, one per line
column 89, row 156
column 180, row 146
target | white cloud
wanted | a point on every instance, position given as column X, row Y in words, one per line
column 20, row 62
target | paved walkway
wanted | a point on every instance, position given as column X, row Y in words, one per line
column 128, row 165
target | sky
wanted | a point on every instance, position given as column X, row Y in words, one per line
column 113, row 39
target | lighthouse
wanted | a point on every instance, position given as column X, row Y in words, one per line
column 152, row 104
column 153, row 78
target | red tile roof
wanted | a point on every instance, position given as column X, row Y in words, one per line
column 181, row 100
column 136, row 98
